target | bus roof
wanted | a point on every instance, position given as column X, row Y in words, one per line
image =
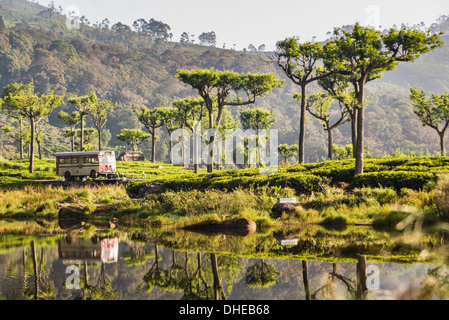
column 87, row 153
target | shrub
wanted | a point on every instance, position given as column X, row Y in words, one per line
column 441, row 195
column 394, row 179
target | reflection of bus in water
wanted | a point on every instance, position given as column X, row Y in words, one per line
column 74, row 250
column 86, row 164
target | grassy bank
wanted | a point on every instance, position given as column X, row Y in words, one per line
column 391, row 190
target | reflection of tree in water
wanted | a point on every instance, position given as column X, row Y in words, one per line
column 138, row 255
column 198, row 278
column 158, row 277
column 356, row 290
column 101, row 289
column 42, row 288
column 261, row 274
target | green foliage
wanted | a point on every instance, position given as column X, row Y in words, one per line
column 133, row 137
column 395, row 179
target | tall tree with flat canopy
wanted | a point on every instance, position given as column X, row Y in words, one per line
column 219, row 89
column 190, row 112
column 72, row 120
column 133, row 137
column 35, row 107
column 299, row 61
column 83, row 105
column 256, row 119
column 433, row 112
column 99, row 113
column 13, row 112
column 319, row 105
column 365, row 54
column 152, row 119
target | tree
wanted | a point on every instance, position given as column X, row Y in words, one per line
column 433, row 112
column 224, row 88
column 287, row 151
column 189, row 113
column 208, row 38
column 133, row 137
column 365, row 54
column 2, row 24
column 171, row 122
column 83, row 105
column 35, row 107
column 256, row 119
column 338, row 87
column 299, row 63
column 12, row 110
column 99, row 112
column 72, row 120
column 152, row 120
column 319, row 105
column 185, row 38
column 159, row 29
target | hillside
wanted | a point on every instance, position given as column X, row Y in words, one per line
column 134, row 70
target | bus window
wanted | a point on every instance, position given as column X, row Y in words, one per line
column 62, row 161
column 86, row 160
column 95, row 160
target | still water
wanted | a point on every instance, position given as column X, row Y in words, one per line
column 174, row 265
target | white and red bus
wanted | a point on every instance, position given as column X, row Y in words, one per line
column 86, row 164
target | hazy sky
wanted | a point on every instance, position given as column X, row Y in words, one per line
column 244, row 22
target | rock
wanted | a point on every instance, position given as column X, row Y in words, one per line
column 150, row 188
column 72, row 212
column 287, row 208
column 41, row 208
column 241, row 227
column 131, row 156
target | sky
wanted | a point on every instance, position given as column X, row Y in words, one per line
column 239, row 23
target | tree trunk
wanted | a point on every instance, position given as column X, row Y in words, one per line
column 153, row 146
column 443, row 149
column 21, row 138
column 360, row 130
column 36, row 275
column 99, row 140
column 361, row 278
column 39, row 148
column 217, row 284
column 354, row 131
column 72, row 136
column 330, row 144
column 210, row 166
column 33, row 138
column 302, row 126
column 305, row 278
column 82, row 133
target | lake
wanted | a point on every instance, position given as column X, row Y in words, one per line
column 135, row 261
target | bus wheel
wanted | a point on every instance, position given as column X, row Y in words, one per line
column 93, row 174
column 68, row 176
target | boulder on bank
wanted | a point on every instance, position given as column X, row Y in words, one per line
column 240, row 227
column 131, row 156
column 77, row 211
column 288, row 208
column 149, row 188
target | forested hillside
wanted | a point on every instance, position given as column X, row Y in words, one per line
column 133, row 68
